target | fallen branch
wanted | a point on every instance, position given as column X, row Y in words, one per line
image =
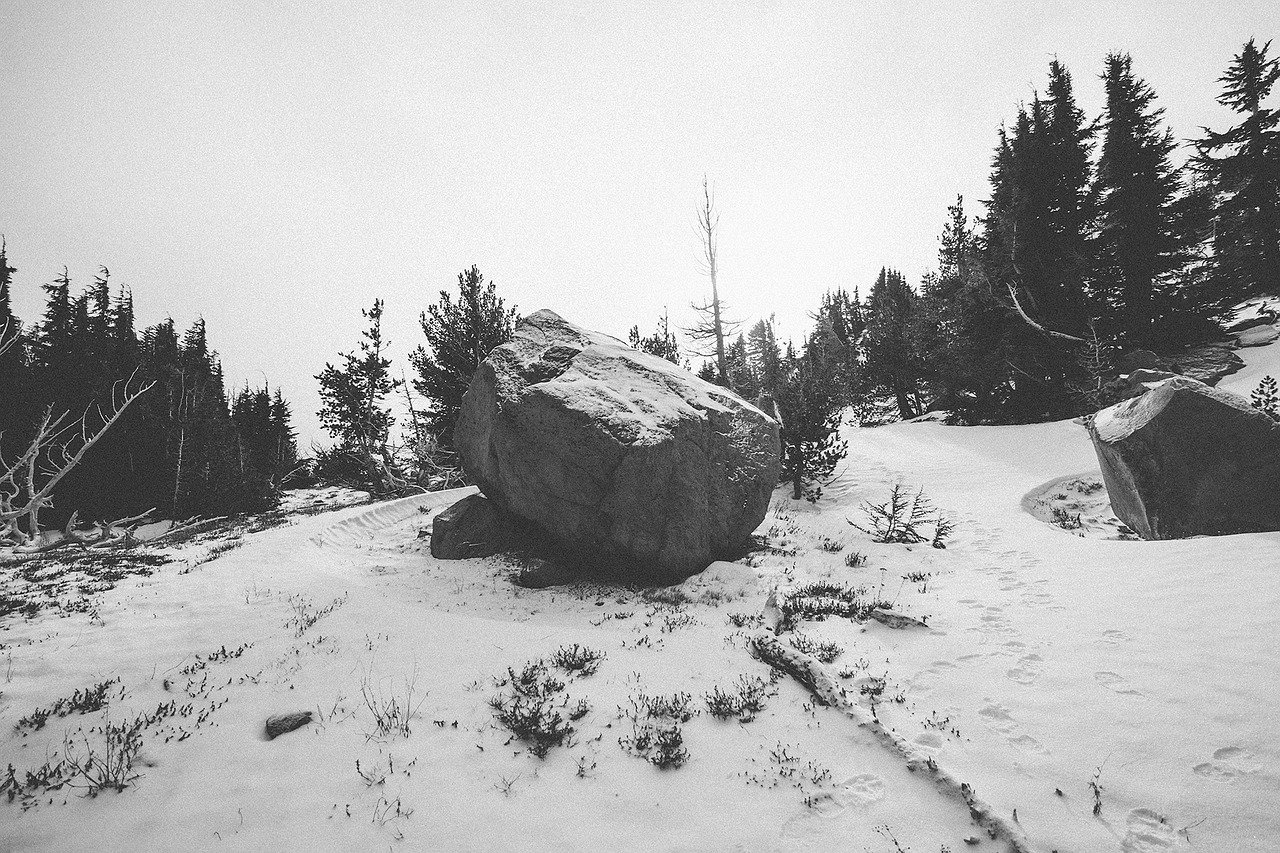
column 815, row 678
column 185, row 531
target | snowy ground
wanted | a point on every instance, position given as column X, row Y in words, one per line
column 1098, row 694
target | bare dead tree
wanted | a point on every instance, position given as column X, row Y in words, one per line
column 59, row 444
column 711, row 325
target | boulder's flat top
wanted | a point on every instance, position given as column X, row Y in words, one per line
column 1120, row 421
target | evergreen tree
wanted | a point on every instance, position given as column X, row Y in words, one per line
column 1266, row 399
column 459, row 335
column 811, row 396
column 661, row 343
column 891, row 361
column 353, row 395
column 1243, row 163
column 1138, row 249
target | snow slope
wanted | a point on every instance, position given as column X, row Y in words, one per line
column 1056, row 673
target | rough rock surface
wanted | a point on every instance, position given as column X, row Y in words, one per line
column 1185, row 459
column 279, row 724
column 1206, row 362
column 472, row 527
column 627, row 459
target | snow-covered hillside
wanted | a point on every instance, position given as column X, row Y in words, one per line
column 1097, row 694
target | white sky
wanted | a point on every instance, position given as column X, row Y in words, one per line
column 274, row 166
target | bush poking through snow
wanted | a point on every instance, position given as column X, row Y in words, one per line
column 744, row 700
column 825, row 652
column 816, row 601
column 392, row 711
column 107, row 766
column 656, row 735
column 528, row 708
column 577, row 660
column 831, row 546
column 854, row 559
column 84, row 701
column 901, row 519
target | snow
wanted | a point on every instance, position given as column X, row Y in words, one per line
column 1118, row 422
column 1050, row 661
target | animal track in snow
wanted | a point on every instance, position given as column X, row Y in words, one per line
column 998, row 720
column 1148, row 833
column 1027, row 671
column 1113, row 637
column 1228, row 763
column 1116, row 683
column 861, row 791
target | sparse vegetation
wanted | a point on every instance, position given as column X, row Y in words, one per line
column 577, row 660
column 902, row 518
column 744, row 700
column 818, row 600
column 656, row 733
column 528, row 706
column 393, row 711
column 84, row 701
column 824, row 651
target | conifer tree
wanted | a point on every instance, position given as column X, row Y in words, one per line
column 810, row 397
column 353, row 395
column 661, row 343
column 891, row 361
column 1243, row 163
column 1138, row 249
column 460, row 334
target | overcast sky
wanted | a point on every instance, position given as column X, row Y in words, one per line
column 275, row 166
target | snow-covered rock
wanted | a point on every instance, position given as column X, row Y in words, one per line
column 1186, row 459
column 621, row 455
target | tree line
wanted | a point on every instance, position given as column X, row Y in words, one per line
column 182, row 444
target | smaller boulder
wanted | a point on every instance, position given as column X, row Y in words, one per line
column 472, row 527
column 1257, row 336
column 1185, row 459
column 278, row 724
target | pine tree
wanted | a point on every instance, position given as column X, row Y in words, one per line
column 353, row 396
column 811, row 396
column 891, row 360
column 1266, row 399
column 661, row 343
column 1138, row 249
column 459, row 336
column 1243, row 163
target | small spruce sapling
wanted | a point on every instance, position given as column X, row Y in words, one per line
column 1266, row 399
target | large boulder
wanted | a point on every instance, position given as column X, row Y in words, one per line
column 626, row 459
column 1185, row 459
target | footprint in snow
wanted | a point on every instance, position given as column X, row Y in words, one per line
column 1116, row 683
column 998, row 720
column 1027, row 671
column 1228, row 763
column 1148, row 832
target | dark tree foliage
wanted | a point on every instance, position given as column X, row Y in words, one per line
column 661, row 343
column 892, row 362
column 353, row 396
column 1243, row 164
column 460, row 334
column 811, row 397
column 176, row 448
column 1139, row 251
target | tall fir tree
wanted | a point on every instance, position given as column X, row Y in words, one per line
column 353, row 396
column 1138, row 250
column 460, row 334
column 1243, row 164
column 891, row 358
